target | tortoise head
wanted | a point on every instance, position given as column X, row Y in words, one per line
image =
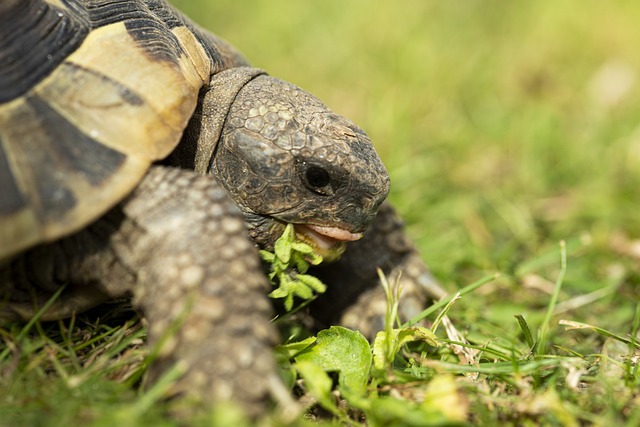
column 284, row 157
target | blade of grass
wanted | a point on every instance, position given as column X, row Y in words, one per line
column 544, row 328
column 23, row 332
column 443, row 302
column 496, row 368
column 483, row 348
column 570, row 324
column 634, row 342
column 524, row 327
column 444, row 311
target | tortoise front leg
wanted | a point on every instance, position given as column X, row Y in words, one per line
column 197, row 271
column 180, row 246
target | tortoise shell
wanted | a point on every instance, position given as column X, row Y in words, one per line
column 92, row 92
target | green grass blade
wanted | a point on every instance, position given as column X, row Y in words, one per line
column 443, row 302
column 544, row 328
column 524, row 327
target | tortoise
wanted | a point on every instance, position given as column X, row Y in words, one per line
column 141, row 155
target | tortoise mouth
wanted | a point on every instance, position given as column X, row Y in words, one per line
column 328, row 242
column 326, row 237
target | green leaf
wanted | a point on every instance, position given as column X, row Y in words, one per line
column 387, row 345
column 441, row 406
column 312, row 282
column 344, row 351
column 289, row 263
column 282, row 248
column 290, row 350
column 301, row 264
column 314, row 259
column 301, row 290
column 385, row 349
column 288, row 302
column 442, row 399
column 267, row 256
column 417, row 333
column 302, row 247
column 284, row 280
column 388, row 411
column 279, row 293
column 318, row 383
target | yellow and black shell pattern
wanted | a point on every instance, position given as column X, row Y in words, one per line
column 91, row 93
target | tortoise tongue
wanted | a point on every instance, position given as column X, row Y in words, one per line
column 327, row 237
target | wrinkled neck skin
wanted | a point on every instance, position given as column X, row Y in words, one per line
column 284, row 157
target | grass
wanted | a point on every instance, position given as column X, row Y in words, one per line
column 507, row 128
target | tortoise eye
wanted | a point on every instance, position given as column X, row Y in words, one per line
column 317, row 177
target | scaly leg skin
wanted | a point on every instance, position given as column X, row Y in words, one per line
column 180, row 246
column 354, row 297
column 199, row 269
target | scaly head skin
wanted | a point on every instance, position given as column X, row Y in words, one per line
column 284, row 157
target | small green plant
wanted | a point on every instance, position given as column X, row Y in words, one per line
column 290, row 261
column 387, row 343
column 355, row 380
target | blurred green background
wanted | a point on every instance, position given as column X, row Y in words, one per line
column 506, row 127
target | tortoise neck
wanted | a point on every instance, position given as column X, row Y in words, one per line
column 200, row 139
